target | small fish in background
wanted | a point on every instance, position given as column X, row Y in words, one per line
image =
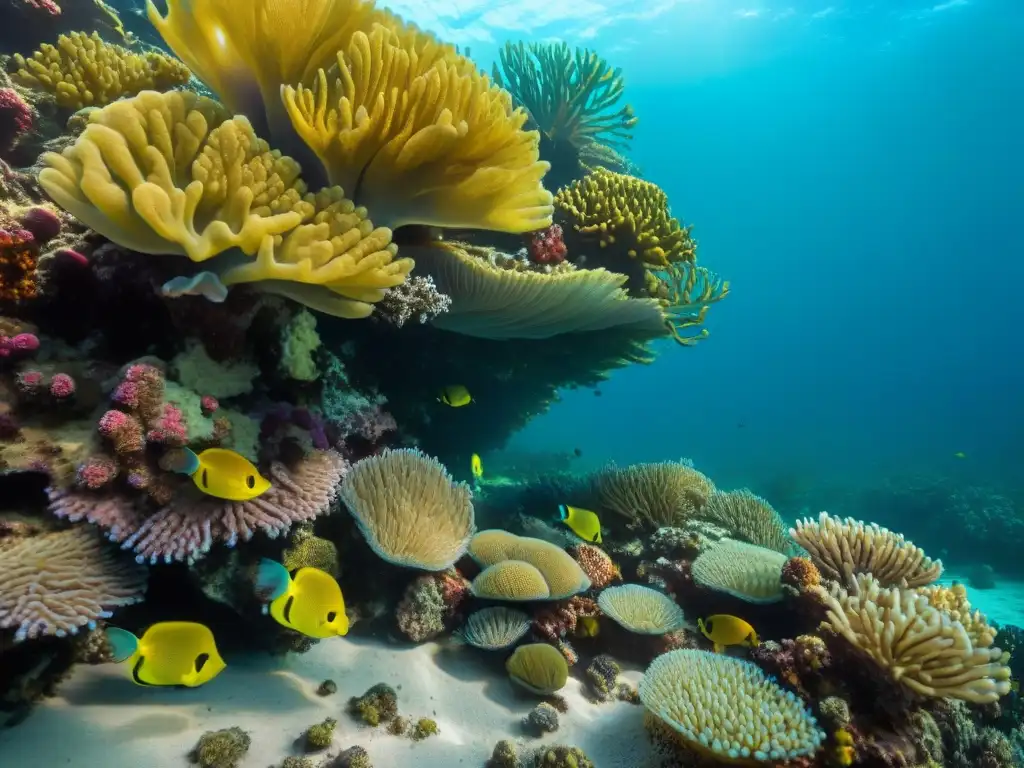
column 218, row 472
column 582, row 522
column 959, row 455
column 577, row 452
column 477, row 466
column 308, row 601
column 455, row 396
column 597, row 393
column 724, row 630
column 587, row 626
column 168, row 653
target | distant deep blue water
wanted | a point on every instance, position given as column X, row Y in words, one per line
column 863, row 188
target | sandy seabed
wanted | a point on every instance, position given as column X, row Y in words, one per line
column 102, row 720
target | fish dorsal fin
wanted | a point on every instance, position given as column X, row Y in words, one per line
column 272, row 580
column 123, row 644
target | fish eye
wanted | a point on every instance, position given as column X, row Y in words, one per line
column 250, row 481
column 331, row 616
column 201, row 660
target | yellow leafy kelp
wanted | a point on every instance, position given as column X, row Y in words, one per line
column 174, row 173
column 404, row 123
column 84, row 71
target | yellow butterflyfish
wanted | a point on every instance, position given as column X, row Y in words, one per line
column 168, row 653
column 308, row 600
column 455, row 395
column 477, row 466
column 724, row 630
column 582, row 522
column 222, row 473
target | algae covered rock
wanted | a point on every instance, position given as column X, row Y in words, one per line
column 378, row 705
column 424, row 727
column 562, row 757
column 320, row 736
column 353, row 757
column 220, row 749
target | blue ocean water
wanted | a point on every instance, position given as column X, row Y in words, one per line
column 856, row 170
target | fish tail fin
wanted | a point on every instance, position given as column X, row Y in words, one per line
column 123, row 644
column 563, row 512
column 189, row 462
column 272, row 580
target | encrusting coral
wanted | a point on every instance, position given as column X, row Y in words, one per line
column 60, row 583
column 409, row 509
column 85, row 71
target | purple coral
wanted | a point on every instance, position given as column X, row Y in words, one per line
column 15, row 119
column 42, row 222
column 186, row 527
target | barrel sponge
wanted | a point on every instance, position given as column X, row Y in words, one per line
column 84, row 71
column 409, row 509
column 174, row 173
column 421, row 138
column 642, row 610
column 920, row 646
column 748, row 517
column 627, row 214
column 538, row 667
column 495, row 629
column 491, row 302
column 742, row 570
column 844, row 548
column 511, row 580
column 562, row 574
column 58, row 583
column 726, row 709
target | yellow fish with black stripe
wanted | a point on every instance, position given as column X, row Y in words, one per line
column 455, row 395
column 308, row 600
column 724, row 630
column 582, row 522
column 168, row 653
column 219, row 472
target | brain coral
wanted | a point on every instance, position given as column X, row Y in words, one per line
column 562, row 574
column 727, row 709
column 641, row 609
column 511, row 580
column 409, row 509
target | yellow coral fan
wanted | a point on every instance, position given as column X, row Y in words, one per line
column 84, row 71
column 653, row 495
column 421, row 140
column 727, row 709
column 742, row 570
column 747, row 516
column 512, row 580
column 685, row 292
column 570, row 94
column 626, row 215
column 172, row 173
column 58, row 583
column 953, row 602
column 921, row 647
column 539, row 668
column 409, row 509
column 562, row 574
column 641, row 609
column 491, row 302
column 844, row 548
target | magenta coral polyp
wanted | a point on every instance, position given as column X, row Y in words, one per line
column 15, row 119
column 42, row 222
column 62, row 386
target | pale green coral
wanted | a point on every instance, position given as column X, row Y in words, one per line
column 198, row 426
column 299, row 340
column 244, row 436
column 196, row 370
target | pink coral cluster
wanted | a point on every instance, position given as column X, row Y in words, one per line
column 15, row 119
column 184, row 527
column 19, row 345
column 547, row 246
column 169, row 428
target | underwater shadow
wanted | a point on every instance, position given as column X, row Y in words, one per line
column 487, row 669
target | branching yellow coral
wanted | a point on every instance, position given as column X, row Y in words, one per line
column 685, row 292
column 570, row 94
column 418, row 139
column 172, row 173
column 84, row 71
column 625, row 216
column 919, row 645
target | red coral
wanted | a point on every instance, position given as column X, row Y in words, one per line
column 169, row 428
column 19, row 345
column 15, row 119
column 123, row 431
column 597, row 565
column 48, row 7
column 547, row 246
column 209, row 405
column 19, row 254
column 97, row 472
column 30, row 383
column 41, row 222
column 62, row 386
column 555, row 622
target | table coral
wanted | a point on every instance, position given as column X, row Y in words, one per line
column 85, row 71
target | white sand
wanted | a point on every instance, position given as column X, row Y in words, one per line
column 102, row 720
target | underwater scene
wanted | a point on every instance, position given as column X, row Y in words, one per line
column 511, row 383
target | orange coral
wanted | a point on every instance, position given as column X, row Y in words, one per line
column 18, row 256
column 800, row 574
column 597, row 565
